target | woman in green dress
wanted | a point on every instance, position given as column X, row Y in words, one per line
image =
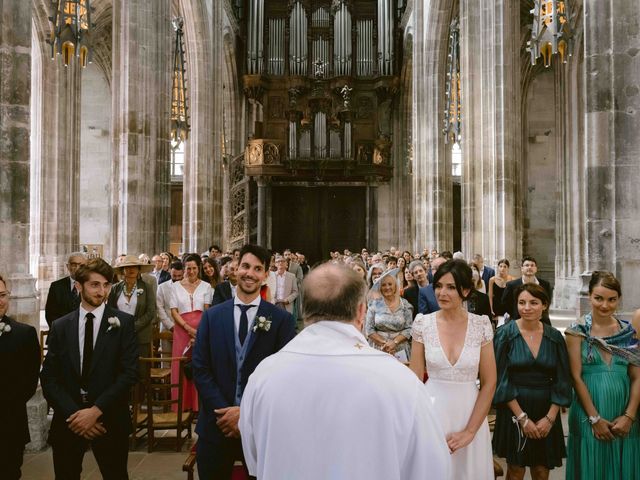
column 533, row 383
column 604, row 433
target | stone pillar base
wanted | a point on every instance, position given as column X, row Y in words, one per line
column 38, row 422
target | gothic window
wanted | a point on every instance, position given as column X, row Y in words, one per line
column 177, row 162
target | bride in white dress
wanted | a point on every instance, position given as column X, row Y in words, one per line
column 456, row 346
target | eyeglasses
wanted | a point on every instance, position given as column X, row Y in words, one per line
column 5, row 295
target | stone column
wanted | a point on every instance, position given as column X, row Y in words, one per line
column 264, row 189
column 372, row 217
column 142, row 52
column 490, row 70
column 15, row 92
column 612, row 148
column 55, row 175
column 432, row 186
column 203, row 179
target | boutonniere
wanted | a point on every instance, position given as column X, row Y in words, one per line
column 114, row 322
column 4, row 328
column 139, row 291
column 263, row 324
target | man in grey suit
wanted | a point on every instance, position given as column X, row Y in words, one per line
column 286, row 284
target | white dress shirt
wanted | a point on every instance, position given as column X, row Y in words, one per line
column 98, row 313
column 280, row 280
column 251, row 313
column 128, row 306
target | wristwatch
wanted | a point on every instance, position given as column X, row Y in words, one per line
column 595, row 419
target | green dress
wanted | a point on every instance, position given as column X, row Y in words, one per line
column 536, row 383
column 592, row 459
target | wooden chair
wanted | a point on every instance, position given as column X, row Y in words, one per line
column 138, row 415
column 160, row 414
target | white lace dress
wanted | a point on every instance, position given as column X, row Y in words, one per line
column 453, row 391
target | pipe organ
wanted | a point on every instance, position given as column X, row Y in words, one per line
column 320, row 80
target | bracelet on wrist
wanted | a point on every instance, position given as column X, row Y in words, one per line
column 522, row 416
column 594, row 419
column 549, row 420
column 629, row 416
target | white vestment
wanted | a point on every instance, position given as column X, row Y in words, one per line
column 329, row 407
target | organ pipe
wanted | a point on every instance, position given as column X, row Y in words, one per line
column 293, row 140
column 347, row 140
column 255, row 37
column 298, row 48
column 385, row 37
column 364, row 48
column 342, row 48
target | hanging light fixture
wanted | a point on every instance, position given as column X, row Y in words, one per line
column 452, row 113
column 71, row 31
column 550, row 31
column 179, row 111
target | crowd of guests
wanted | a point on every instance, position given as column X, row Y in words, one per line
column 478, row 336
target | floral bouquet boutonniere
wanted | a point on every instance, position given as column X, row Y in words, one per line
column 114, row 322
column 139, row 291
column 4, row 328
column 262, row 324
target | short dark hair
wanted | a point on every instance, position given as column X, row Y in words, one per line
column 260, row 252
column 535, row 290
column 446, row 254
column 226, row 259
column 461, row 272
column 95, row 265
column 528, row 258
column 214, row 247
column 333, row 292
column 505, row 261
column 177, row 265
column 606, row 280
column 391, row 258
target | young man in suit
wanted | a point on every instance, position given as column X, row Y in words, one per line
column 89, row 369
column 285, row 286
column 20, row 357
column 233, row 338
column 63, row 296
column 529, row 268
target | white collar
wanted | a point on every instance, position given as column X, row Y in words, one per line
column 255, row 301
column 97, row 312
column 331, row 338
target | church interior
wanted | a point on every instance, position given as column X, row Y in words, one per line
column 504, row 128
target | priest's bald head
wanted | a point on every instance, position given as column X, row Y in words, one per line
column 334, row 292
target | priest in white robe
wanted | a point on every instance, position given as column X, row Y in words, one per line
column 328, row 406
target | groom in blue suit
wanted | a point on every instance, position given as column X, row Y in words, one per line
column 233, row 338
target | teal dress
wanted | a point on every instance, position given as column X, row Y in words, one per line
column 592, row 459
column 536, row 383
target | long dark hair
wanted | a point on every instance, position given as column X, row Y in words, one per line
column 215, row 280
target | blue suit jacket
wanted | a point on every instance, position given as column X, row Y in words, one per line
column 487, row 273
column 427, row 302
column 214, row 358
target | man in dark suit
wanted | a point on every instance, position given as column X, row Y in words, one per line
column 529, row 268
column 20, row 358
column 63, row 296
column 485, row 272
column 411, row 294
column 233, row 338
column 89, row 369
column 226, row 290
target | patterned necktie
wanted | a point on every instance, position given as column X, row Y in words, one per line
column 244, row 322
column 87, row 352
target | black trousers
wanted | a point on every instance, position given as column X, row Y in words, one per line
column 111, row 451
column 215, row 462
column 11, row 462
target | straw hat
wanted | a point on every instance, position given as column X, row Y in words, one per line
column 132, row 261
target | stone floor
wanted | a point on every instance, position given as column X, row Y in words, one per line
column 162, row 464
